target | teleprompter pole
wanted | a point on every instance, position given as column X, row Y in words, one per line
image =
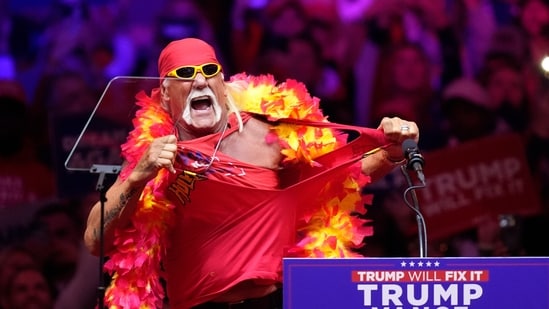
column 102, row 170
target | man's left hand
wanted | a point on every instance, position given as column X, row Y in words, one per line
column 397, row 130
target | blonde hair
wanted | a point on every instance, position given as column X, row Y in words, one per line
column 233, row 108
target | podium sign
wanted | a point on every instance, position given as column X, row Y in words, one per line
column 417, row 283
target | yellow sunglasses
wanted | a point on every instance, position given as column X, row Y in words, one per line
column 189, row 71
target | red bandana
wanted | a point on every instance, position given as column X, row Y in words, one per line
column 188, row 51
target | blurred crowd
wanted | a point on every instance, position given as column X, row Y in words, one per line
column 462, row 69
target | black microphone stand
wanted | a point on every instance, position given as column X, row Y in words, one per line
column 422, row 229
column 102, row 170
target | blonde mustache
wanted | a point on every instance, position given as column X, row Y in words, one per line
column 199, row 93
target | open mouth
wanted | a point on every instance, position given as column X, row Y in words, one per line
column 201, row 103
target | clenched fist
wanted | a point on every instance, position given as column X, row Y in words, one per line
column 160, row 154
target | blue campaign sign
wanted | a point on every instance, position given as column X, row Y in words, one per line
column 417, row 283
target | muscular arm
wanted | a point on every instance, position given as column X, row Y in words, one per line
column 120, row 204
column 123, row 195
column 378, row 165
column 382, row 162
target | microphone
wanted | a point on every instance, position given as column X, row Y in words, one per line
column 414, row 159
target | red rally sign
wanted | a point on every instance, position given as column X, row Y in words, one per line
column 485, row 177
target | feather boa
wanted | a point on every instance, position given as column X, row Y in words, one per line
column 135, row 263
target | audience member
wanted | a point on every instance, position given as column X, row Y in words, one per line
column 298, row 58
column 393, row 23
column 19, row 184
column 28, row 288
column 503, row 78
column 57, row 240
column 12, row 259
column 468, row 111
column 82, row 288
column 405, row 85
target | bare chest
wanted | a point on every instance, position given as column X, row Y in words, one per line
column 251, row 147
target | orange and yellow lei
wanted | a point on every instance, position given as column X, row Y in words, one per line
column 135, row 263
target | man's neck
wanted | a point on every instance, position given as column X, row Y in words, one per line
column 188, row 133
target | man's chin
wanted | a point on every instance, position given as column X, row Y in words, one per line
column 203, row 127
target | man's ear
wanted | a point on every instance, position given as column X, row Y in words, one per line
column 164, row 97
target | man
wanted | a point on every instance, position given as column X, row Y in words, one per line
column 216, row 196
column 27, row 287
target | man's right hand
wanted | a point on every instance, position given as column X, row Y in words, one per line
column 160, row 154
